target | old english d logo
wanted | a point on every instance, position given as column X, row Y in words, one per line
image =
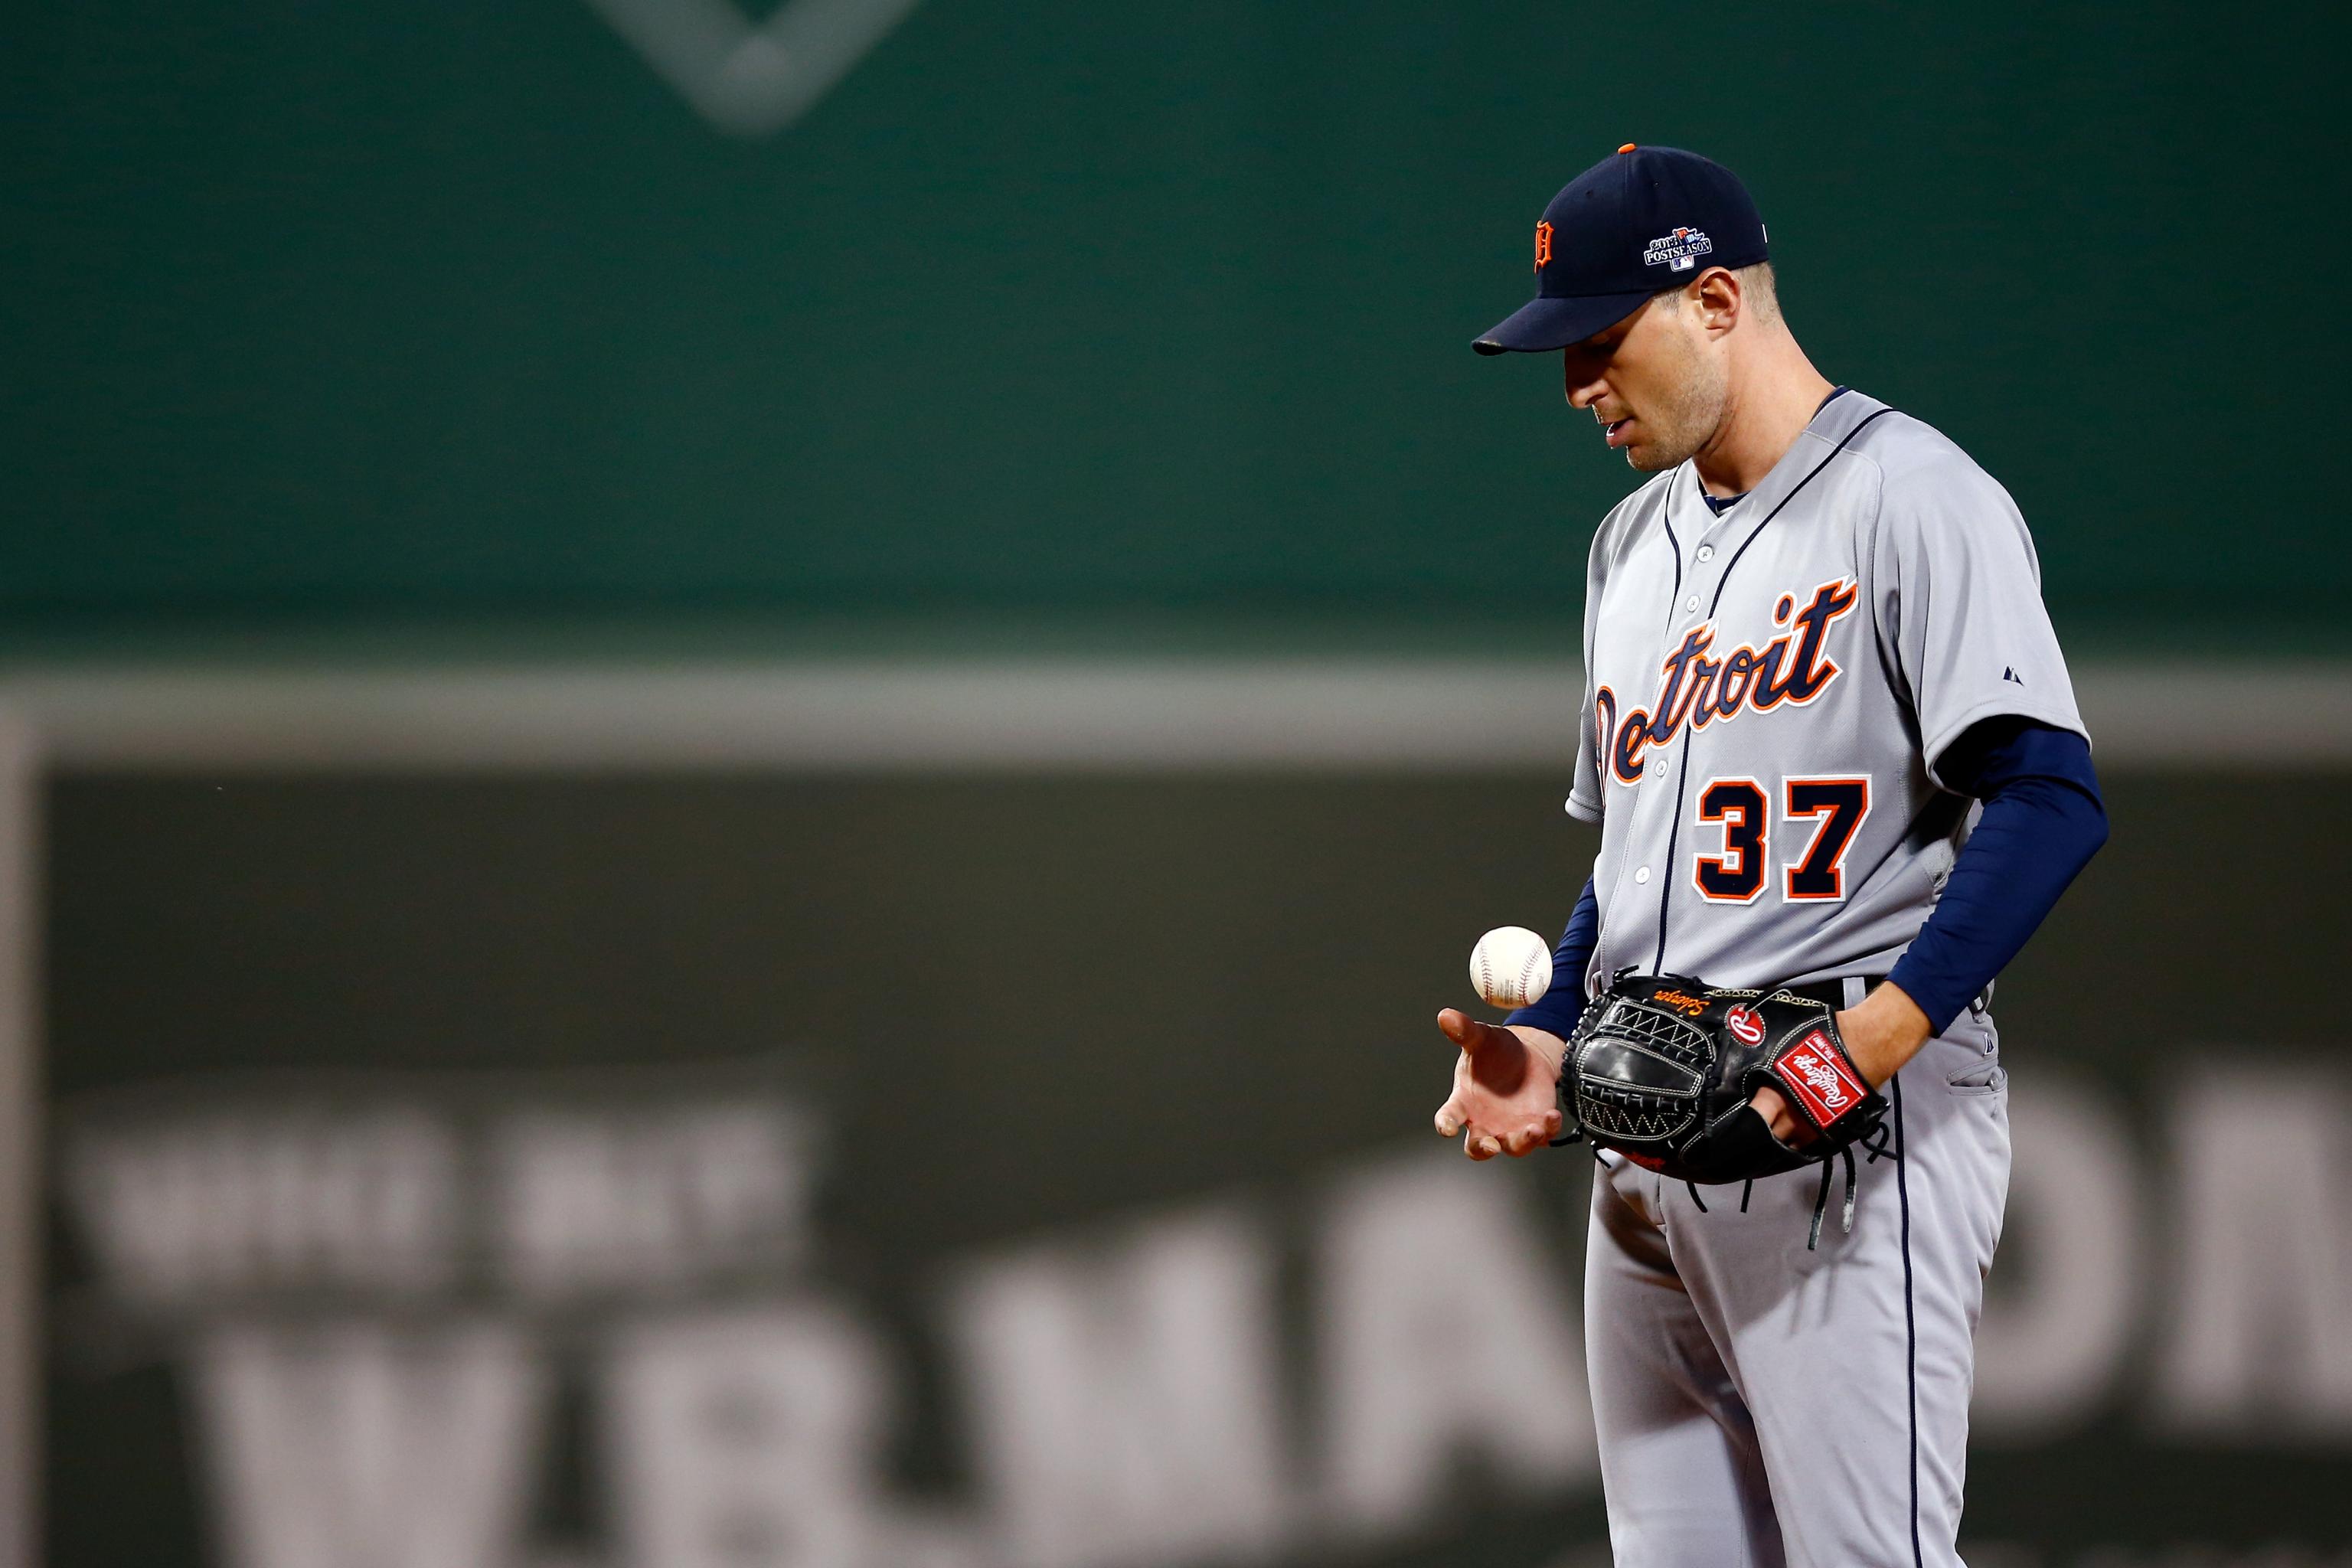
column 1543, row 244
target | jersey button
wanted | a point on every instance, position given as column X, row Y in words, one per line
column 1705, row 553
column 1691, row 603
column 1640, row 875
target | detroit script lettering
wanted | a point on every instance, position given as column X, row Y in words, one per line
column 1694, row 688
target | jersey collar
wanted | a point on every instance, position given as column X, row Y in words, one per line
column 1833, row 421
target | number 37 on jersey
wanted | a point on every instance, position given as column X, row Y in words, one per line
column 1812, row 819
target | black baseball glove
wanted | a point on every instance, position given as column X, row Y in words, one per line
column 1662, row 1066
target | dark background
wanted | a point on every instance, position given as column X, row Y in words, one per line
column 1023, row 1012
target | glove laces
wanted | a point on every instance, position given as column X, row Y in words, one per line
column 1872, row 1151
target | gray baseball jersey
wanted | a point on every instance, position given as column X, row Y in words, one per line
column 1768, row 692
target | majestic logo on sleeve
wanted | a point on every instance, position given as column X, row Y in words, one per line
column 1694, row 688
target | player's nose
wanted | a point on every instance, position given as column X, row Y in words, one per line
column 1582, row 395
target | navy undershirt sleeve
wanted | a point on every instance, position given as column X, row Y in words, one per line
column 2042, row 822
column 1558, row 1009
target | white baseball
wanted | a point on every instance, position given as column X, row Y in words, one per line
column 1511, row 966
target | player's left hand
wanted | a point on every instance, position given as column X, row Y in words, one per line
column 1505, row 1097
column 1881, row 1032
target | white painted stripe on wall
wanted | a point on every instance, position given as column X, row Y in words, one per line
column 1205, row 714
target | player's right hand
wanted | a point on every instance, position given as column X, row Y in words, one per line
column 1505, row 1099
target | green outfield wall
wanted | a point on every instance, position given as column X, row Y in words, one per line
column 376, row 315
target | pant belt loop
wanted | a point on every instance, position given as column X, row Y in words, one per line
column 1856, row 988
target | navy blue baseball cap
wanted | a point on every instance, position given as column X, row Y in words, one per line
column 1639, row 222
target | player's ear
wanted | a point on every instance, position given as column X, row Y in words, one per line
column 1715, row 294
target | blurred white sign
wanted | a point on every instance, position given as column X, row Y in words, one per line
column 379, row 1300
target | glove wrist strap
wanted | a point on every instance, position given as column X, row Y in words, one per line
column 1820, row 1080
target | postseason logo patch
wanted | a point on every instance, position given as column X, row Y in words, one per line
column 1678, row 251
column 1814, row 1070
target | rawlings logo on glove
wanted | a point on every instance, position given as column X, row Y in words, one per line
column 1816, row 1073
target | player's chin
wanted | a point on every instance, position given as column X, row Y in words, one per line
column 1655, row 456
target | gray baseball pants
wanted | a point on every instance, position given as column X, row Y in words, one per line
column 1759, row 1403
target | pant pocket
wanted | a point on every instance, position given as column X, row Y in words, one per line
column 1985, row 1077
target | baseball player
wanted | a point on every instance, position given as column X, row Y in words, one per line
column 1832, row 749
